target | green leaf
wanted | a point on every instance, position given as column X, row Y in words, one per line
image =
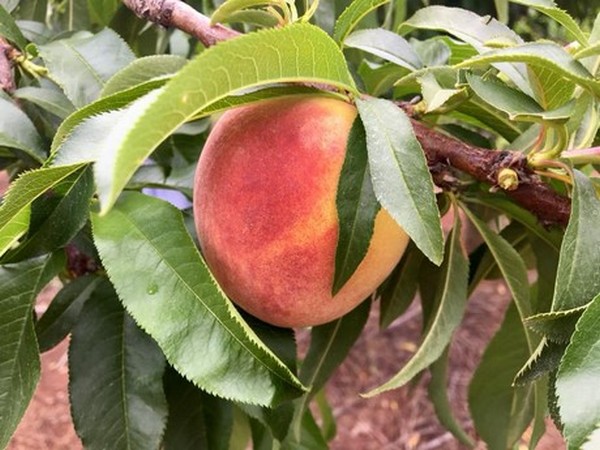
column 14, row 229
column 117, row 368
column 328, row 424
column 438, row 394
column 379, row 79
column 549, row 55
column 386, row 45
column 60, row 317
column 577, row 281
column 230, row 7
column 471, row 28
column 398, row 292
column 102, row 11
column 235, row 365
column 141, row 71
column 502, row 10
column 551, row 89
column 56, row 218
column 82, row 64
column 22, row 192
column 578, row 378
column 500, row 411
column 450, row 302
column 86, row 115
column 19, row 355
column 51, row 100
column 435, row 96
column 509, row 100
column 593, row 440
column 296, row 53
column 556, row 326
column 278, row 420
column 510, row 264
column 549, row 8
column 329, row 345
column 432, row 52
column 196, row 420
column 552, row 237
column 357, row 207
column 352, row 15
column 401, row 179
column 545, row 359
column 17, row 131
column 516, row 236
column 10, row 30
column 517, row 105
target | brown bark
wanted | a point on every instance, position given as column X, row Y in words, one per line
column 175, row 13
column 7, row 80
column 484, row 165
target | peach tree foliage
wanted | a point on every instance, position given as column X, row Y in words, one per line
column 107, row 111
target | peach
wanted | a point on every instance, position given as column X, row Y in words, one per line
column 265, row 211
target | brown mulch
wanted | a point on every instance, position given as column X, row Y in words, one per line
column 402, row 419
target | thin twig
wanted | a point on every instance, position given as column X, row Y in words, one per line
column 441, row 150
column 175, row 13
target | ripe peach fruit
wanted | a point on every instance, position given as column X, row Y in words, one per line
column 265, row 211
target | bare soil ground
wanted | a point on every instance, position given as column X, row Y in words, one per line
column 399, row 420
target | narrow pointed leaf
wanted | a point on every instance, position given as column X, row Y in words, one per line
column 550, row 55
column 577, row 281
column 352, row 15
column 56, row 219
column 79, row 64
column 12, row 231
column 578, row 379
column 17, row 203
column 386, row 45
column 58, row 320
column 509, row 262
column 10, row 30
column 171, row 294
column 141, row 71
column 19, row 355
column 556, row 326
column 115, row 378
column 500, row 411
column 398, row 292
column 51, row 100
column 196, row 420
column 18, row 132
column 545, row 359
column 329, row 345
column 357, row 207
column 438, row 394
column 549, row 8
column 473, row 29
column 401, row 180
column 451, row 299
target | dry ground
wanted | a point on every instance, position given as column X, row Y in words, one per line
column 399, row 420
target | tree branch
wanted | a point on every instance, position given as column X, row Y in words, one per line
column 175, row 13
column 442, row 151
column 7, row 79
column 485, row 165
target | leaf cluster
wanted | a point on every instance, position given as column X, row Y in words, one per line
column 100, row 141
